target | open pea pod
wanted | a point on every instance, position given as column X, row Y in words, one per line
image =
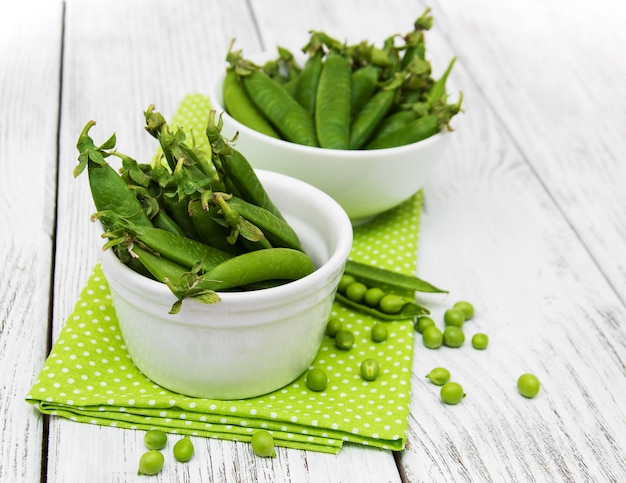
column 409, row 310
column 380, row 277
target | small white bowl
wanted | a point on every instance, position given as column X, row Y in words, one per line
column 364, row 182
column 249, row 343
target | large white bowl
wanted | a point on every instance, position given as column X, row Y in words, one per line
column 249, row 343
column 364, row 182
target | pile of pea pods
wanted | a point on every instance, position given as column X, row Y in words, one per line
column 196, row 217
column 344, row 96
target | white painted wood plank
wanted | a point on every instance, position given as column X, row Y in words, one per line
column 30, row 54
column 554, row 73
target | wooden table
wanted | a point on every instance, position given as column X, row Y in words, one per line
column 525, row 217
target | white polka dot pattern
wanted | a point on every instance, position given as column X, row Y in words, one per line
column 89, row 377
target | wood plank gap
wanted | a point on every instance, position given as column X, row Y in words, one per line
column 255, row 22
column 45, row 444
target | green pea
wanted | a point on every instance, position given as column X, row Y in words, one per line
column 480, row 341
column 356, row 291
column 183, row 449
column 316, row 380
column 155, row 439
column 439, row 376
column 432, row 337
column 528, row 385
column 345, row 282
column 370, row 369
column 422, row 322
column 452, row 393
column 453, row 336
column 391, row 304
column 263, row 444
column 151, row 462
column 344, row 340
column 466, row 307
column 454, row 317
column 373, row 296
column 379, row 332
column 333, row 326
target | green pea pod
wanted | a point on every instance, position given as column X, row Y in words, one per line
column 367, row 120
column 165, row 222
column 306, row 87
column 408, row 311
column 237, row 170
column 179, row 248
column 276, row 230
column 332, row 105
column 286, row 114
column 179, row 212
column 210, row 232
column 377, row 276
column 416, row 130
column 258, row 266
column 393, row 122
column 363, row 85
column 110, row 192
column 240, row 107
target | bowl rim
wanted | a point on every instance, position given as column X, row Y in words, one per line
column 343, row 228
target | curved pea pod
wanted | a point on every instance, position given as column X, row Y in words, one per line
column 381, row 277
column 393, row 122
column 332, row 105
column 416, row 130
column 239, row 106
column 257, row 267
column 306, row 85
column 408, row 311
column 363, row 85
column 286, row 114
column 367, row 120
column 165, row 222
column 278, row 232
column 180, row 249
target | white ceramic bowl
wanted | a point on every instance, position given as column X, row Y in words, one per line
column 364, row 182
column 249, row 343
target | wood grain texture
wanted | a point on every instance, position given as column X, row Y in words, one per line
column 524, row 218
column 30, row 60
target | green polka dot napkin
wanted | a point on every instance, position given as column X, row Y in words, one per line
column 89, row 377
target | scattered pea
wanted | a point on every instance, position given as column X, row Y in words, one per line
column 333, row 326
column 155, row 439
column 391, row 304
column 379, row 332
column 453, row 336
column 480, row 341
column 439, row 376
column 263, row 444
column 370, row 369
column 452, row 393
column 344, row 340
column 466, row 307
column 455, row 317
column 183, row 449
column 316, row 380
column 422, row 322
column 373, row 296
column 356, row 291
column 345, row 282
column 432, row 337
column 528, row 385
column 151, row 462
